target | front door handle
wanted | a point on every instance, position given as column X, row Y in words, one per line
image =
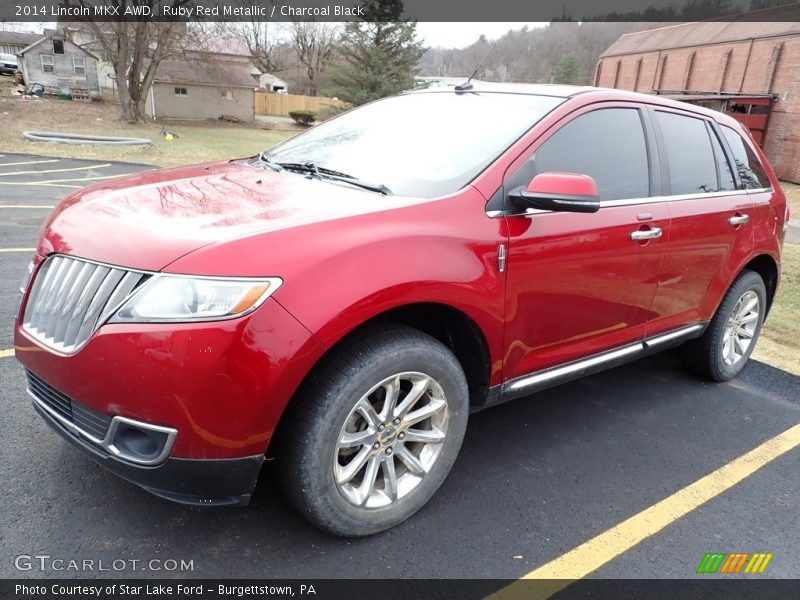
column 646, row 234
column 738, row 219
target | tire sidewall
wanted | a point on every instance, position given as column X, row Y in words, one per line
column 327, row 501
column 746, row 282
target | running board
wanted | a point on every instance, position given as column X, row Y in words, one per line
column 540, row 380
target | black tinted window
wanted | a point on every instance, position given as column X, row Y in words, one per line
column 608, row 145
column 750, row 170
column 726, row 181
column 692, row 167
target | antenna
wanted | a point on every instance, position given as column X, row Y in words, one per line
column 467, row 85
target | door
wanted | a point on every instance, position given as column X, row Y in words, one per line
column 712, row 222
column 579, row 284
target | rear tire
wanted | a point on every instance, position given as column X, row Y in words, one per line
column 723, row 350
column 375, row 432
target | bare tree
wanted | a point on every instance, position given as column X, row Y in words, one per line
column 266, row 44
column 136, row 48
column 314, row 44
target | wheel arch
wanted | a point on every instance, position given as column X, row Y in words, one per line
column 447, row 324
column 767, row 267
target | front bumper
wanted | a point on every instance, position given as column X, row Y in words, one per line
column 222, row 386
column 210, row 482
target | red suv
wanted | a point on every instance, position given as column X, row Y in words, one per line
column 344, row 300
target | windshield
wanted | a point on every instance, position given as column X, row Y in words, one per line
column 425, row 145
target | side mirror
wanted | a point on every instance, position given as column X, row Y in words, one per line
column 567, row 192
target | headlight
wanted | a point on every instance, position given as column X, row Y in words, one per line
column 177, row 298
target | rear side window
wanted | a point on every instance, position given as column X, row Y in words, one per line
column 606, row 144
column 750, row 170
column 726, row 180
column 692, row 166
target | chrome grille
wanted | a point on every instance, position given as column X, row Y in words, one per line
column 71, row 298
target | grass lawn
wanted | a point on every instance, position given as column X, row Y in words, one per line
column 198, row 141
column 792, row 191
column 779, row 344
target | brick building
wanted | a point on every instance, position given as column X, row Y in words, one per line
column 750, row 70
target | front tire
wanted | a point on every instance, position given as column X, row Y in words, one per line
column 376, row 432
column 723, row 350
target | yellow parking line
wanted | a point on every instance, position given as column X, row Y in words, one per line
column 47, row 206
column 5, row 353
column 55, row 170
column 29, row 162
column 590, row 556
column 17, row 249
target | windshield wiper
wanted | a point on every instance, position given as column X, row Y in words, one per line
column 324, row 173
column 268, row 163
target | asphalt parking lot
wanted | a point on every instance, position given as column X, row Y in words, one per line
column 536, row 478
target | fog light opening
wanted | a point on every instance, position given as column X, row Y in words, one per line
column 138, row 444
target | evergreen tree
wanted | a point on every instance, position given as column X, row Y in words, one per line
column 568, row 69
column 378, row 56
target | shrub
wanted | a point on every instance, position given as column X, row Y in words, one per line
column 304, row 118
column 330, row 110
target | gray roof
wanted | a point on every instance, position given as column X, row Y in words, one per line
column 235, row 46
column 696, row 34
column 18, row 39
column 67, row 42
column 197, row 72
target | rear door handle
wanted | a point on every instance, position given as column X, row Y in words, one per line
column 646, row 234
column 738, row 219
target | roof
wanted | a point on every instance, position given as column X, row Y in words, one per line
column 696, row 34
column 205, row 73
column 48, row 37
column 533, row 89
column 18, row 39
column 698, row 96
column 591, row 94
column 234, row 46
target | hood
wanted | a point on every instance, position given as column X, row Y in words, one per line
column 152, row 218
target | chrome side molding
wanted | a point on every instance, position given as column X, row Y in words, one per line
column 672, row 335
column 596, row 362
column 571, row 368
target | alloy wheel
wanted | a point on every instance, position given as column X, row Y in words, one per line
column 390, row 440
column 741, row 328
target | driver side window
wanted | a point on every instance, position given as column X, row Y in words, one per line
column 606, row 144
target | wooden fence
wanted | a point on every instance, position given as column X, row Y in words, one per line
column 282, row 104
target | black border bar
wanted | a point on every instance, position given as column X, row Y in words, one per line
column 700, row 587
column 419, row 10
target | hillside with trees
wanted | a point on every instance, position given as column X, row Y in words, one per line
column 560, row 52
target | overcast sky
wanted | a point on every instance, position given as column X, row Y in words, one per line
column 458, row 35
column 447, row 35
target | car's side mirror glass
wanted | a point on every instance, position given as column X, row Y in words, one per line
column 569, row 192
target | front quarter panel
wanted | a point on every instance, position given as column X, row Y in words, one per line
column 340, row 273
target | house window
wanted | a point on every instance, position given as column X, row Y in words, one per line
column 180, row 91
column 47, row 63
column 58, row 46
column 79, row 66
column 227, row 94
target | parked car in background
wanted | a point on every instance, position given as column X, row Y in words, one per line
column 8, row 64
column 345, row 300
